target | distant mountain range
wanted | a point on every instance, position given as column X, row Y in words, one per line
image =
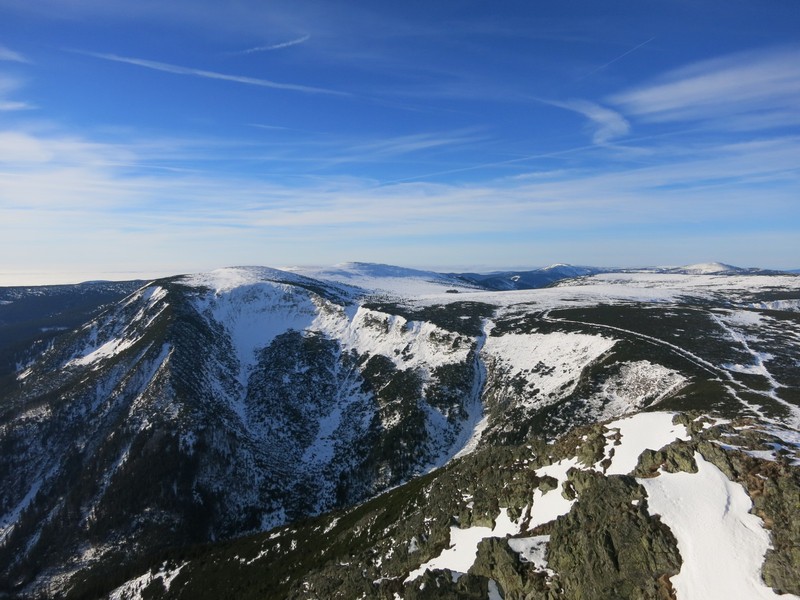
column 374, row 431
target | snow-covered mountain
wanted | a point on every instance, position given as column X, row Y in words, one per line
column 526, row 280
column 205, row 407
column 384, row 280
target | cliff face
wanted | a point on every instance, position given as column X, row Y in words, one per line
column 626, row 509
column 204, row 408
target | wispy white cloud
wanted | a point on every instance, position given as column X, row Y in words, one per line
column 384, row 149
column 9, row 85
column 279, row 46
column 179, row 70
column 747, row 90
column 7, row 54
column 57, row 174
column 606, row 124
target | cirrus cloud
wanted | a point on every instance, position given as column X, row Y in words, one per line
column 746, row 90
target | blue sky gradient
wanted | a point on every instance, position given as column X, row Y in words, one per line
column 162, row 137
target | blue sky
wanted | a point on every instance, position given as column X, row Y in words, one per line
column 163, row 137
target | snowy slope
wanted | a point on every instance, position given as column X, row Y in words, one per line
column 219, row 404
column 661, row 507
column 386, row 279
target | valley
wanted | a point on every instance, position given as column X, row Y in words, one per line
column 322, row 433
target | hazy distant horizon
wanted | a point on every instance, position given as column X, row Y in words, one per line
column 41, row 278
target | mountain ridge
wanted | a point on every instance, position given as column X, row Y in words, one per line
column 265, row 397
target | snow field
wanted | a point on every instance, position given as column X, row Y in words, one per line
column 549, row 505
column 552, row 361
column 385, row 280
column 637, row 383
column 639, row 433
column 463, row 549
column 410, row 344
column 631, row 287
column 722, row 545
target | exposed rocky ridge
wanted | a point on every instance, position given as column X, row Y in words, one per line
column 609, row 544
column 213, row 406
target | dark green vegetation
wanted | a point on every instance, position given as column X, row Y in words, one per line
column 31, row 317
column 607, row 546
column 160, row 441
column 169, row 451
column 460, row 317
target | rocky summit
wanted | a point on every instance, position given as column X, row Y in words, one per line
column 367, row 431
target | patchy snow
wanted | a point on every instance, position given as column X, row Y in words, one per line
column 790, row 305
column 9, row 520
column 628, row 287
column 132, row 590
column 114, row 333
column 463, row 549
column 746, row 318
column 475, row 437
column 253, row 311
column 551, row 362
column 410, row 344
column 638, row 433
column 722, row 545
column 791, row 443
column 638, row 384
column 548, row 506
column 494, row 591
column 107, row 350
column 754, row 369
column 531, row 550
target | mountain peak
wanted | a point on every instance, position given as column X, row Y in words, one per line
column 710, row 268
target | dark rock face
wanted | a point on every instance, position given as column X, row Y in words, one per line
column 608, row 546
column 192, row 414
column 145, row 429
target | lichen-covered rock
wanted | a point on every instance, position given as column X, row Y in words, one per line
column 495, row 560
column 439, row 585
column 677, row 457
column 608, row 546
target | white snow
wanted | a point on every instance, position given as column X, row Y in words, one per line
column 639, row 433
column 132, row 590
column 550, row 505
column 722, row 545
column 494, row 591
column 749, row 318
column 551, row 362
column 791, row 305
column 107, row 350
column 628, row 287
column 710, row 268
column 389, row 280
column 256, row 313
column 112, row 334
column 229, row 278
column 531, row 550
column 463, row 549
column 637, row 384
column 410, row 344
